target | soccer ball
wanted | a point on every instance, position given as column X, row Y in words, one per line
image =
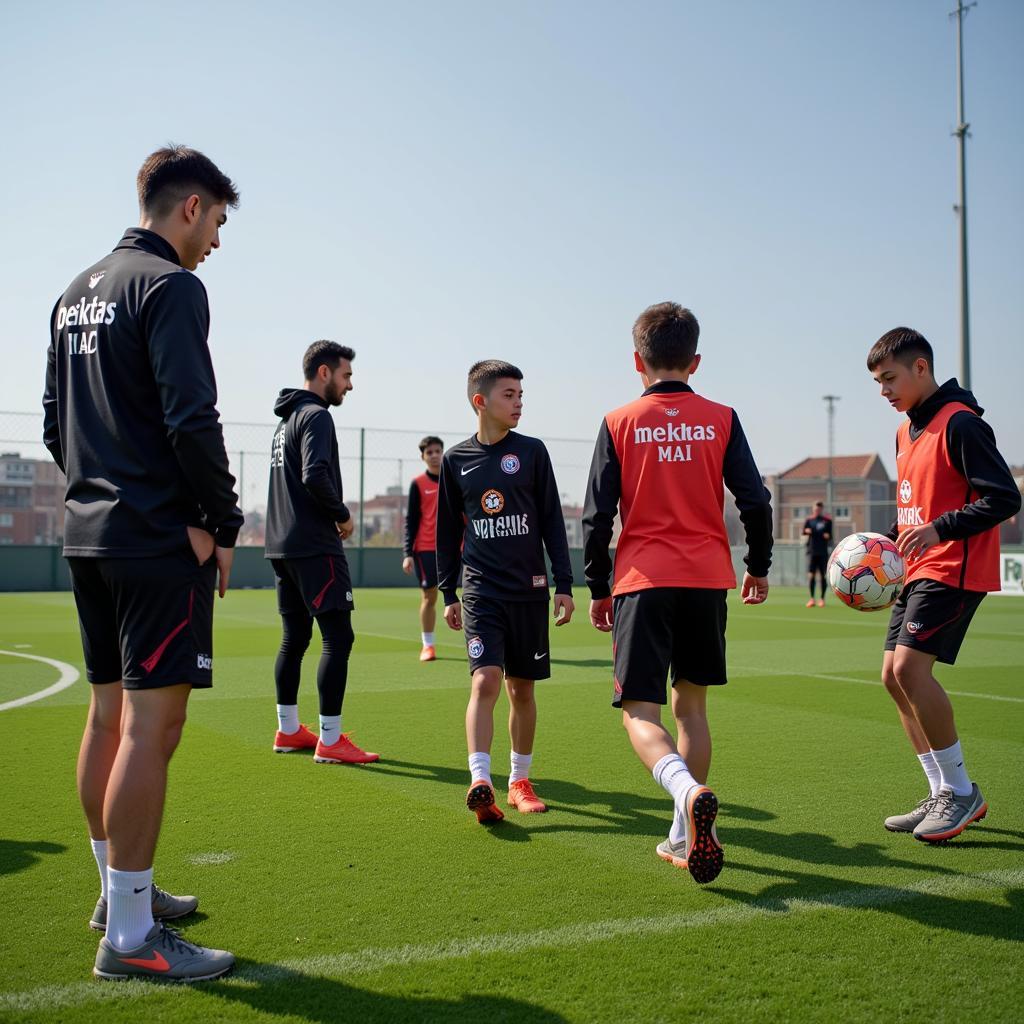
column 866, row 571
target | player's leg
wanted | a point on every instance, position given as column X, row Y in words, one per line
column 810, row 579
column 821, row 566
column 426, row 572
column 693, row 735
column 296, row 632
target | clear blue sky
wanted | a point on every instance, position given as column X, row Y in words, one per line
column 437, row 183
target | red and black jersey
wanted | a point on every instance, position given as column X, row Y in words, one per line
column 662, row 462
column 421, row 515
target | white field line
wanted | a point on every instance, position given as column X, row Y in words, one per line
column 68, row 675
column 365, row 961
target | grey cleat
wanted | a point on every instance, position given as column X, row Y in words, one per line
column 165, row 908
column 674, row 853
column 909, row 821
column 950, row 814
column 164, row 956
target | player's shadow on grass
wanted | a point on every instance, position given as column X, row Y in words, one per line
column 16, row 855
column 287, row 992
column 584, row 662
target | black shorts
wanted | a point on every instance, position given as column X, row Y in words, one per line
column 817, row 563
column 146, row 621
column 677, row 628
column 319, row 583
column 510, row 634
column 932, row 617
column 426, row 568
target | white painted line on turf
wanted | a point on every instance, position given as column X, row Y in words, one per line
column 366, row 961
column 68, row 675
column 22, row 647
column 216, row 857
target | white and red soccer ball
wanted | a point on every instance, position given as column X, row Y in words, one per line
column 866, row 571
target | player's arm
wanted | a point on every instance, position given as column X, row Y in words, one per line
column 449, row 533
column 51, row 422
column 555, row 539
column 743, row 478
column 316, row 432
column 412, row 525
column 600, row 506
column 807, row 527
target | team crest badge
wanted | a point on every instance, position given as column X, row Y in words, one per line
column 905, row 492
column 913, row 627
column 671, row 412
column 510, row 464
column 475, row 646
column 492, row 501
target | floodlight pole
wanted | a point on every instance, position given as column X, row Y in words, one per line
column 961, row 133
column 830, row 401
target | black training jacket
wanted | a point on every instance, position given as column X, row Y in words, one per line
column 305, row 500
column 973, row 451
column 500, row 501
column 129, row 408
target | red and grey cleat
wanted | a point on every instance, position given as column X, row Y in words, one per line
column 290, row 742
column 704, row 857
column 480, row 800
column 344, row 751
column 522, row 797
column 428, row 653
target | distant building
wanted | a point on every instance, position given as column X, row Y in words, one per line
column 864, row 498
column 31, row 500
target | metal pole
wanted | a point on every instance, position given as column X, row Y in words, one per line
column 961, row 208
column 830, row 401
column 362, row 496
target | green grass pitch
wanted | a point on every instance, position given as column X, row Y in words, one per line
column 371, row 894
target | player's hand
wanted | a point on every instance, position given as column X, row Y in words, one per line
column 754, row 589
column 202, row 544
column 453, row 615
column 225, row 559
column 601, row 614
column 407, row 566
column 563, row 608
column 346, row 529
column 914, row 542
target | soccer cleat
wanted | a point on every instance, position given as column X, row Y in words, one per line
column 522, row 797
column 165, row 908
column 810, row 603
column 343, row 752
column 704, row 857
column 821, row 602
column 674, row 853
column 164, row 956
column 909, row 821
column 480, row 800
column 428, row 653
column 950, row 814
column 290, row 742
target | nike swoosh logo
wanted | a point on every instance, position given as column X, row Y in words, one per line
column 143, row 889
column 469, row 469
column 538, row 657
column 899, row 455
column 157, row 963
column 430, row 492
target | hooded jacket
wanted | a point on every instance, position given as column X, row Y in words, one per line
column 305, row 500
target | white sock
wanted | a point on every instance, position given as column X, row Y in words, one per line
column 129, row 908
column 520, row 767
column 330, row 729
column 931, row 770
column 99, row 851
column 951, row 765
column 480, row 767
column 428, row 639
column 288, row 718
column 673, row 776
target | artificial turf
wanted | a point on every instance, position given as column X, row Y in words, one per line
column 371, row 894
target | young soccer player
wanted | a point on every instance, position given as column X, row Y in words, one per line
column 661, row 462
column 130, row 417
column 307, row 520
column 818, row 531
column 418, row 550
column 954, row 490
column 499, row 499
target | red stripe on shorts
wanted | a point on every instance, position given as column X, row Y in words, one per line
column 153, row 660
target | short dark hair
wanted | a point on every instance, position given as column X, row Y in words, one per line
column 482, row 376
column 428, row 441
column 819, row 504
column 175, row 172
column 666, row 336
column 324, row 353
column 902, row 344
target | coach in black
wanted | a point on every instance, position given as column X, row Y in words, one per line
column 818, row 531
column 130, row 417
column 307, row 519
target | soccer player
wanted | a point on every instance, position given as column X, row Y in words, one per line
column 954, row 490
column 499, row 499
column 307, row 520
column 818, row 531
column 661, row 462
column 418, row 549
column 151, row 520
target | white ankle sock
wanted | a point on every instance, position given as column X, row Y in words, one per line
column 129, row 907
column 520, row 767
column 288, row 718
column 951, row 765
column 99, row 851
column 931, row 771
column 330, row 729
column 428, row 639
column 480, row 767
column 673, row 776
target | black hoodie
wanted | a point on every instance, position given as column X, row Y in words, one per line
column 305, row 500
column 129, row 410
column 972, row 449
